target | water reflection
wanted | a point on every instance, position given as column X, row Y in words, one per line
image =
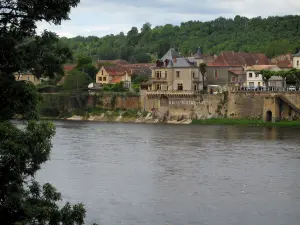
column 170, row 174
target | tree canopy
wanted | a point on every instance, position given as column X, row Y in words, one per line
column 24, row 149
column 272, row 36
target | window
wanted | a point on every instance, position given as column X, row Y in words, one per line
column 195, row 87
column 216, row 74
column 102, row 72
column 177, row 74
column 158, row 74
column 166, row 74
column 28, row 78
column 179, row 87
column 250, row 75
column 233, row 79
column 297, row 62
column 157, row 87
column 258, row 84
column 104, row 78
column 99, row 78
column 256, row 75
column 193, row 75
column 251, row 84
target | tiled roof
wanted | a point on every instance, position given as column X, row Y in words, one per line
column 237, row 71
column 239, row 59
column 180, row 62
column 69, row 67
column 284, row 64
column 116, row 79
column 263, row 67
column 115, row 70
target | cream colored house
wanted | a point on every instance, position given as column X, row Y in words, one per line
column 113, row 74
column 296, row 60
column 175, row 73
column 27, row 77
column 256, row 80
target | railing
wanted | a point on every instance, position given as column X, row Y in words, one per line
column 264, row 89
column 158, row 78
column 172, row 92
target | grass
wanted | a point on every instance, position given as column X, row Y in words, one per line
column 246, row 122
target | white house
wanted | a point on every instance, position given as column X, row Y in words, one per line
column 296, row 60
column 256, row 80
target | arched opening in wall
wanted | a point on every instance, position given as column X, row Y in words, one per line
column 269, row 116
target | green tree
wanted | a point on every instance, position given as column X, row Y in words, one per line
column 266, row 75
column 76, row 81
column 203, row 70
column 24, row 149
column 85, row 64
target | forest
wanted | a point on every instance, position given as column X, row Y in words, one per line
column 272, row 36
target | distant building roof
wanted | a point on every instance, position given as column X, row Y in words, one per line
column 284, row 64
column 69, row 67
column 237, row 71
column 263, row 67
column 172, row 53
column 198, row 54
column 115, row 70
column 226, row 59
column 297, row 54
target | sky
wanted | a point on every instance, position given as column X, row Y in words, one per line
column 104, row 17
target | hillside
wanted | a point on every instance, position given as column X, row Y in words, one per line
column 272, row 36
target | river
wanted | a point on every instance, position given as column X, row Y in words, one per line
column 137, row 174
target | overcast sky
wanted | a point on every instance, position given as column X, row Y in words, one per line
column 102, row 17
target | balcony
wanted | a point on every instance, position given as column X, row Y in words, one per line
column 171, row 93
column 158, row 79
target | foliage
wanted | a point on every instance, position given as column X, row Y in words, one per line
column 292, row 75
column 85, row 64
column 19, row 98
column 113, row 101
column 203, row 70
column 117, row 87
column 24, row 149
column 272, row 36
column 137, row 79
column 76, row 81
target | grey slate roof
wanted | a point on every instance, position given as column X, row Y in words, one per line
column 180, row 62
column 297, row 55
column 198, row 54
column 171, row 54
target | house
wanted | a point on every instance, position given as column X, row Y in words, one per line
column 139, row 69
column 199, row 57
column 256, row 80
column 283, row 61
column 228, row 68
column 175, row 73
column 26, row 76
column 113, row 74
column 296, row 60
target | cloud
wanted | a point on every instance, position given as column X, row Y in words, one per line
column 103, row 17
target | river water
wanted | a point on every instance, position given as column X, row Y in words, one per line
column 137, row 174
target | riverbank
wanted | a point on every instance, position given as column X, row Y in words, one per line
column 246, row 122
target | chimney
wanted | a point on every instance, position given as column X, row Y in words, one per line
column 174, row 59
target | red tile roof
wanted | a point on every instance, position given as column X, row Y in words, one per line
column 69, row 67
column 116, row 79
column 115, row 70
column 284, row 64
column 239, row 59
column 237, row 71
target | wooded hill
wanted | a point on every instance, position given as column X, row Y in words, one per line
column 272, row 36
